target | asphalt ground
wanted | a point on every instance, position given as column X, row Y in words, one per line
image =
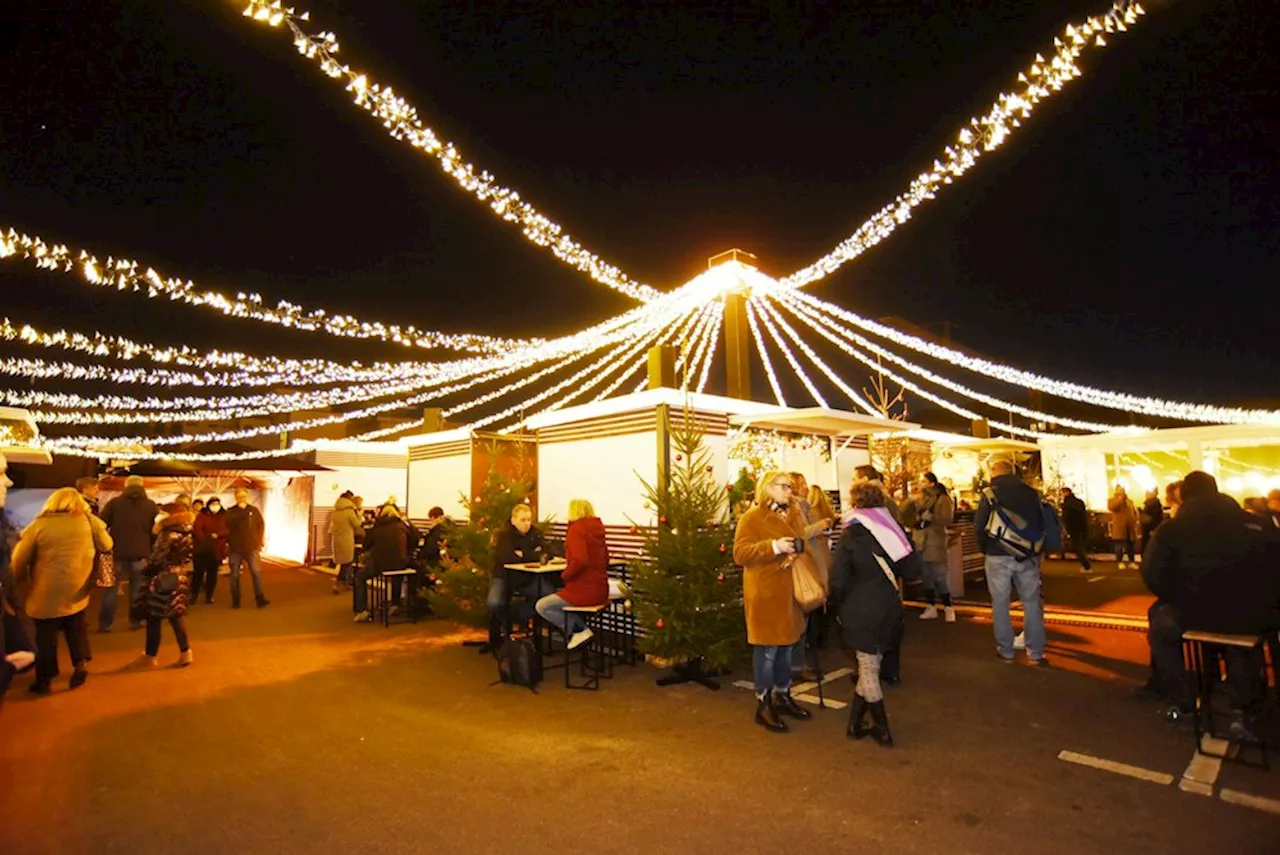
column 299, row 731
column 1107, row 589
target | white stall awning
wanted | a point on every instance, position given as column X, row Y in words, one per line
column 820, row 421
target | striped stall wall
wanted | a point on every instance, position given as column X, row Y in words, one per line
column 361, row 460
column 713, row 424
column 444, row 449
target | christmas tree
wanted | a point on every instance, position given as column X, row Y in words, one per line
column 687, row 592
column 462, row 577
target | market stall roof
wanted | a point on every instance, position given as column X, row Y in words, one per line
column 820, row 421
column 647, row 400
column 1163, row 439
column 992, row 444
column 178, row 468
column 20, row 438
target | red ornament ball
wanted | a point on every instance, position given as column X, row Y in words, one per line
column 708, row 468
column 659, row 624
column 722, row 550
column 635, row 530
column 720, row 578
column 662, row 520
column 679, row 457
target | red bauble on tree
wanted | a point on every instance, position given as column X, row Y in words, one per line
column 722, row 549
column 662, row 520
column 720, row 578
column 659, row 624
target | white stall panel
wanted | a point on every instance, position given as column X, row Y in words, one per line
column 603, row 471
column 439, row 481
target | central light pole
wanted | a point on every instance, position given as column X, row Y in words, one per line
column 737, row 329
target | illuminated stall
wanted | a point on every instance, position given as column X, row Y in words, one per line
column 1244, row 458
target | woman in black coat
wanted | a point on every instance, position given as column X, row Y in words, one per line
column 864, row 593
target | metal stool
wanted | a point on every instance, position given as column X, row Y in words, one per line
column 1207, row 675
column 593, row 647
column 386, row 582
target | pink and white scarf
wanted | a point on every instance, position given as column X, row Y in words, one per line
column 885, row 529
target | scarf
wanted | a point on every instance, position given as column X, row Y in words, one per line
column 779, row 508
column 881, row 524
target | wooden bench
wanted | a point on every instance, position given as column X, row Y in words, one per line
column 591, row 649
column 1201, row 651
column 383, row 584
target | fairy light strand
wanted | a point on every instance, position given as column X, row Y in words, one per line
column 401, row 121
column 790, row 356
column 1039, row 83
column 855, row 397
column 753, row 323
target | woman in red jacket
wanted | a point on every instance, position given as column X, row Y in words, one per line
column 210, row 536
column 586, row 573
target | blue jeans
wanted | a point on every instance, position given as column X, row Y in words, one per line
column 126, row 568
column 234, row 560
column 1003, row 573
column 551, row 607
column 771, row 667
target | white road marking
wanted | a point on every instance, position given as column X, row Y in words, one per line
column 1236, row 797
column 1093, row 579
column 1118, row 768
column 800, row 691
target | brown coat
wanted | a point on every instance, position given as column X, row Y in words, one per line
column 53, row 563
column 773, row 617
column 1124, row 518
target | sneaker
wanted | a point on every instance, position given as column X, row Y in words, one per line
column 1020, row 641
column 1086, row 569
column 931, row 613
column 580, row 638
column 1007, row 660
column 1042, row 662
column 143, row 662
column 950, row 614
column 184, row 659
column 21, row 660
column 361, row 617
column 78, row 677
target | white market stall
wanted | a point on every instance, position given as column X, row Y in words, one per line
column 1245, row 459
column 375, row 471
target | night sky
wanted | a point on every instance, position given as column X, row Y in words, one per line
column 1127, row 237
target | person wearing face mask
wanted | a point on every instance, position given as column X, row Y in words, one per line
column 209, row 534
column 767, row 536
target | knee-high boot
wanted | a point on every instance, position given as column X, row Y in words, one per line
column 857, row 718
column 880, row 733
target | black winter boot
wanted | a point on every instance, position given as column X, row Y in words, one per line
column 857, row 718
column 880, row 733
column 767, row 716
column 786, row 705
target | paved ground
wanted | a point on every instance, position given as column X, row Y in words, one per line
column 298, row 731
column 1106, row 589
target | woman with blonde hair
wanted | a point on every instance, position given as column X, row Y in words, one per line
column 818, row 546
column 585, row 575
column 767, row 537
column 52, row 568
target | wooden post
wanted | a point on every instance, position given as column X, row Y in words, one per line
column 737, row 346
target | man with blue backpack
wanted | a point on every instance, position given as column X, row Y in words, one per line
column 1014, row 529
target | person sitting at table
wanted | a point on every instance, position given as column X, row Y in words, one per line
column 585, row 575
column 520, row 542
column 389, row 545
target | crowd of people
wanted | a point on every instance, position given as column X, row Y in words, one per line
column 164, row 556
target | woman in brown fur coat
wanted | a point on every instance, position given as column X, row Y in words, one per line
column 765, row 541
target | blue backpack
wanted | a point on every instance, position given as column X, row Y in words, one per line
column 1019, row 537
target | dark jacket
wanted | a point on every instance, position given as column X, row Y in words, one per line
column 1075, row 516
column 129, row 517
column 210, row 533
column 1217, row 567
column 866, row 602
column 1152, row 515
column 390, row 544
column 586, row 571
column 433, row 542
column 512, row 547
column 245, row 529
column 1015, row 495
column 166, row 594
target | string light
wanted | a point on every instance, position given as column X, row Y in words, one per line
column 126, row 275
column 761, row 450
column 791, row 358
column 984, row 133
column 400, row 118
column 678, row 332
column 764, row 354
column 857, row 399
column 1175, row 410
column 712, row 337
column 924, row 373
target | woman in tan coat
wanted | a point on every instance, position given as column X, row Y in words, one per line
column 53, row 571
column 817, row 545
column 766, row 539
column 1124, row 525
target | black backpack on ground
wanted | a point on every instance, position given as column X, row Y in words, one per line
column 519, row 663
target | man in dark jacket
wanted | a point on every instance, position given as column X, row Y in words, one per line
column 519, row 543
column 1019, row 504
column 1212, row 569
column 129, row 518
column 16, row 649
column 246, row 531
column 1075, row 520
column 1151, row 516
